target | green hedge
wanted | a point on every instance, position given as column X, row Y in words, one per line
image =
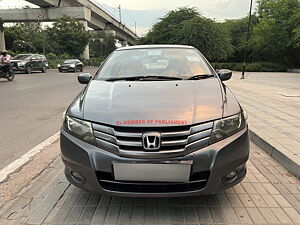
column 95, row 62
column 252, row 67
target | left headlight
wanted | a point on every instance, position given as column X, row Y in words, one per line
column 72, row 65
column 79, row 128
column 228, row 126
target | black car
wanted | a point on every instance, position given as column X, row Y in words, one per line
column 70, row 65
column 30, row 62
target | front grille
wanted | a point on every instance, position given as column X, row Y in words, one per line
column 197, row 182
column 175, row 141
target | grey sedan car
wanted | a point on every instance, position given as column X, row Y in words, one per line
column 155, row 121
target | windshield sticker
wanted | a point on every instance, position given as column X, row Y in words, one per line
column 151, row 122
column 154, row 52
column 193, row 58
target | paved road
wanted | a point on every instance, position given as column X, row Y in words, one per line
column 31, row 108
column 268, row 195
column 272, row 101
column 285, row 80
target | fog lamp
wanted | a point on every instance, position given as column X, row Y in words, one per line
column 230, row 177
column 77, row 177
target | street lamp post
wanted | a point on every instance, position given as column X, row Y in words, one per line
column 247, row 40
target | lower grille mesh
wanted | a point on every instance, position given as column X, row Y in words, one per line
column 197, row 182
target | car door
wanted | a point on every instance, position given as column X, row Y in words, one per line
column 39, row 62
column 34, row 62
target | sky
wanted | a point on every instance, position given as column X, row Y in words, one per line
column 146, row 13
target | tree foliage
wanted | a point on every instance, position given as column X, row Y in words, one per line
column 68, row 36
column 101, row 44
column 24, row 37
column 186, row 26
column 277, row 35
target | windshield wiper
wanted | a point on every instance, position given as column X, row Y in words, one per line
column 144, row 78
column 200, row 76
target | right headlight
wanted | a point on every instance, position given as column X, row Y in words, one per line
column 228, row 126
column 79, row 128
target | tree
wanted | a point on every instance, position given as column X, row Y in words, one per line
column 68, row 36
column 101, row 44
column 186, row 26
column 205, row 35
column 237, row 29
column 28, row 33
column 277, row 35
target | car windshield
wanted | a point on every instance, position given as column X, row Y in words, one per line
column 174, row 62
column 22, row 57
column 70, row 61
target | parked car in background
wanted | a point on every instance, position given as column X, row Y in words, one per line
column 30, row 62
column 70, row 65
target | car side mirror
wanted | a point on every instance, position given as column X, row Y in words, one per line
column 224, row 74
column 84, row 78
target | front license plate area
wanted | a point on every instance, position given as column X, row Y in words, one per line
column 156, row 172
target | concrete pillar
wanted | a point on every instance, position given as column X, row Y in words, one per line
column 2, row 41
column 86, row 53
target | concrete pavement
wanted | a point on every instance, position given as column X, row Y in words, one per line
column 272, row 101
column 268, row 195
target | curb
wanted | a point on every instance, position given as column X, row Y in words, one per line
column 276, row 154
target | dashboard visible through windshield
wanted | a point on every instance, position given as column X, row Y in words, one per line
column 174, row 62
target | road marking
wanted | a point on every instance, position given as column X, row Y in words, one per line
column 26, row 157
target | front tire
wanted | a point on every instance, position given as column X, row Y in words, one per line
column 44, row 69
column 11, row 76
column 28, row 70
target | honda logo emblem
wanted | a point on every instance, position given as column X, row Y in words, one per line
column 151, row 140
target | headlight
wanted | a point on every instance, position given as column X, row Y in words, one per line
column 226, row 127
column 72, row 65
column 79, row 128
column 58, row 65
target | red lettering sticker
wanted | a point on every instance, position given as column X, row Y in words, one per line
column 151, row 122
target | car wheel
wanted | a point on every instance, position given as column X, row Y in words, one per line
column 81, row 69
column 44, row 69
column 59, row 71
column 28, row 69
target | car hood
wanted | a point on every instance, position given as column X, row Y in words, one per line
column 154, row 103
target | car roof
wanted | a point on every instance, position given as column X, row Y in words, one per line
column 154, row 46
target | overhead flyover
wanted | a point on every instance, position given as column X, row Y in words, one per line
column 90, row 14
column 99, row 20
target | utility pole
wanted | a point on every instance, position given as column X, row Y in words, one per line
column 120, row 16
column 135, row 28
column 247, row 40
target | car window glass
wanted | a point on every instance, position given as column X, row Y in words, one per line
column 22, row 57
column 70, row 61
column 178, row 62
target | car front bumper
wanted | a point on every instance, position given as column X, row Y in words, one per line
column 213, row 163
column 66, row 69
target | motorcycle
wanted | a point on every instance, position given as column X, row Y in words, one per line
column 10, row 75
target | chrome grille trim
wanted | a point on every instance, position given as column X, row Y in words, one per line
column 176, row 140
column 130, row 143
column 106, row 137
column 127, row 134
column 174, row 143
column 175, row 134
